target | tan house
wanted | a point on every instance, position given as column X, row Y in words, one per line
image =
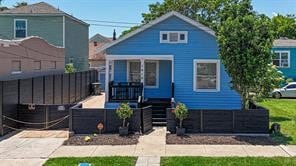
column 29, row 57
column 97, row 59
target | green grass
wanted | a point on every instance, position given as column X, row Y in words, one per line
column 227, row 161
column 283, row 111
column 95, row 161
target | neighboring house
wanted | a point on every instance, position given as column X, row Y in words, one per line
column 29, row 57
column 285, row 56
column 51, row 24
column 172, row 57
column 97, row 59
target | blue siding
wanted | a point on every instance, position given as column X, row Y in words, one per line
column 289, row 72
column 201, row 45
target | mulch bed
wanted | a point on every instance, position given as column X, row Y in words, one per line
column 218, row 140
column 104, row 139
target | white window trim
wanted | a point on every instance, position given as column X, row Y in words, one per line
column 157, row 75
column 168, row 41
column 15, row 29
column 195, row 61
column 157, row 72
column 280, row 52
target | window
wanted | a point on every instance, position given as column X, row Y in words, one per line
column 151, row 74
column 281, row 59
column 52, row 65
column 293, row 86
column 173, row 36
column 206, row 75
column 20, row 28
column 37, row 65
column 16, row 67
column 134, row 71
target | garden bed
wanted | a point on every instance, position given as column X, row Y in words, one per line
column 104, row 139
column 220, row 140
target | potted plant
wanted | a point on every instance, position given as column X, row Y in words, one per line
column 181, row 113
column 124, row 112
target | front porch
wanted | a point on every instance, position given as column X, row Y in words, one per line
column 136, row 78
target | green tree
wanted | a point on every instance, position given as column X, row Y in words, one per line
column 284, row 26
column 20, row 4
column 2, row 8
column 207, row 12
column 70, row 68
column 245, row 41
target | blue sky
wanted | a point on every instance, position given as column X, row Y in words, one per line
column 130, row 10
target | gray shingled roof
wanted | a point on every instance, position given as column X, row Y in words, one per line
column 99, row 38
column 37, row 8
column 40, row 8
column 284, row 42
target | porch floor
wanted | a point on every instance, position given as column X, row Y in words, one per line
column 94, row 101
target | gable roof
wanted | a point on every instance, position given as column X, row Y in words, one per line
column 40, row 8
column 99, row 38
column 284, row 42
column 158, row 20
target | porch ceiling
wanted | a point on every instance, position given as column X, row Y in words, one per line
column 132, row 57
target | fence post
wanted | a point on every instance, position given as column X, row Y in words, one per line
column 43, row 89
column 69, row 88
column 70, row 119
column 80, row 97
column 46, row 116
column 62, row 88
column 1, row 108
column 32, row 89
column 53, row 89
column 201, row 121
column 75, row 78
column 233, row 119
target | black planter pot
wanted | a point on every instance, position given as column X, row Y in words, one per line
column 180, row 131
column 123, row 131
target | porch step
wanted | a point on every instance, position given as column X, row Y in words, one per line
column 159, row 123
column 158, row 115
column 158, row 119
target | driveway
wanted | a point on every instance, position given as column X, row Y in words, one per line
column 30, row 148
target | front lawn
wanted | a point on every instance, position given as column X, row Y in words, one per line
column 94, row 161
column 283, row 111
column 229, row 161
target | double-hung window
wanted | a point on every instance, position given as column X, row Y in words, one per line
column 151, row 73
column 281, row 59
column 206, row 75
column 173, row 36
column 20, row 28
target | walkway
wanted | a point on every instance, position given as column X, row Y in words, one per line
column 94, row 101
column 152, row 146
column 30, row 148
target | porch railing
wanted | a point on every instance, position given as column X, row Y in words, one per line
column 125, row 91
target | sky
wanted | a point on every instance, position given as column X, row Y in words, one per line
column 130, row 11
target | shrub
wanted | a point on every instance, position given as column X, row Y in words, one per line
column 289, row 80
column 181, row 112
column 70, row 68
column 123, row 112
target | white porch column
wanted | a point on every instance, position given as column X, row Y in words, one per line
column 107, row 80
column 142, row 73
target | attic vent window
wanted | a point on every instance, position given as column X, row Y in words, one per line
column 173, row 37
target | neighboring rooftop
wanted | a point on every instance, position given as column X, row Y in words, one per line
column 100, row 38
column 284, row 42
column 40, row 8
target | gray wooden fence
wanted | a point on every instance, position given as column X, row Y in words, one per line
column 50, row 89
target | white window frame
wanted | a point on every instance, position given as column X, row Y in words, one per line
column 280, row 54
column 168, row 39
column 15, row 20
column 218, row 74
column 128, row 68
column 157, row 74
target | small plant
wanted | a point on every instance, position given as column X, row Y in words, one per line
column 70, row 68
column 124, row 112
column 87, row 138
column 289, row 80
column 181, row 113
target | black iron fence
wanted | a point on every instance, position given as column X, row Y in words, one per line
column 125, row 91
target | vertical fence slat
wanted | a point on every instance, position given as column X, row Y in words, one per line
column 1, row 108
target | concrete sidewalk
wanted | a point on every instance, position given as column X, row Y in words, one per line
column 153, row 144
column 30, row 148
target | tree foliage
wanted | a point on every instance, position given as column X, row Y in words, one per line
column 69, row 68
column 181, row 113
column 245, row 40
column 20, row 4
column 284, row 26
column 123, row 112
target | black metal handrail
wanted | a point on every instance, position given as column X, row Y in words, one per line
column 125, row 91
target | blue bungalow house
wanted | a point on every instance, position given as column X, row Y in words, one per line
column 285, row 56
column 170, row 58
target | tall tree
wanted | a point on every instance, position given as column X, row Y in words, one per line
column 2, row 8
column 245, row 40
column 20, row 4
column 284, row 26
column 207, row 12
